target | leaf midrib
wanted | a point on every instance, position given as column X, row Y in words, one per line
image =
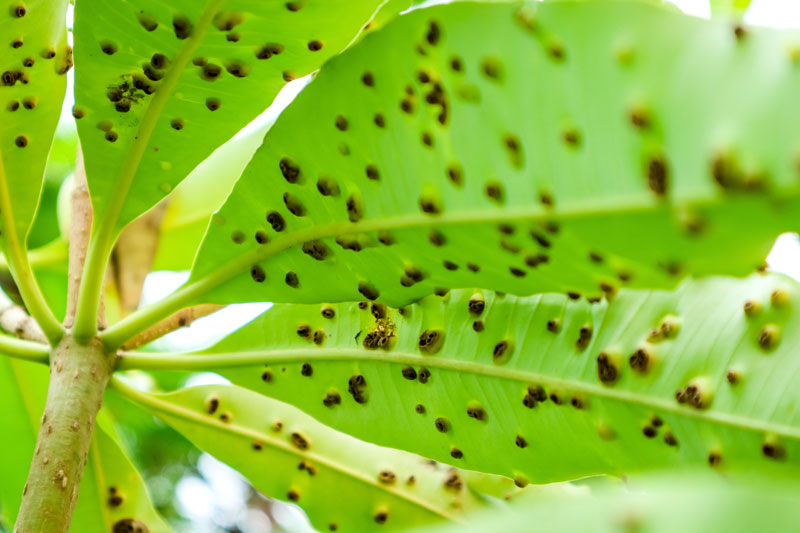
column 117, row 334
column 162, row 404
column 188, row 361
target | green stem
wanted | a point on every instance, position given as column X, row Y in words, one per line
column 17, row 257
column 78, row 377
column 185, row 361
column 85, row 325
column 54, row 252
column 22, row 349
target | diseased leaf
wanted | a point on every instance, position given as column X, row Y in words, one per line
column 544, row 388
column 113, row 492
column 33, row 65
column 341, row 483
column 688, row 503
column 559, row 146
column 162, row 84
column 23, row 388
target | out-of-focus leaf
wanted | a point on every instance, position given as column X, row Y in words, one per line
column 342, row 484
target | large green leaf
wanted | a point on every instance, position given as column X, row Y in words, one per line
column 23, row 388
column 162, row 84
column 667, row 505
column 340, row 482
column 33, row 67
column 560, row 146
column 542, row 388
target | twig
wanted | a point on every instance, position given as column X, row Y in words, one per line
column 14, row 320
column 181, row 319
column 80, row 231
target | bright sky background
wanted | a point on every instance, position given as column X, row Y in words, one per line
column 217, row 499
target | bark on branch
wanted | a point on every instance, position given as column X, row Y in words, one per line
column 181, row 319
column 14, row 320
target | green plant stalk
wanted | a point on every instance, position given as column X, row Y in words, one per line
column 20, row 267
column 54, row 252
column 116, row 335
column 165, row 361
column 22, row 349
column 85, row 325
column 78, row 377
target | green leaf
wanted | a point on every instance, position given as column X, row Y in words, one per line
column 113, row 495
column 162, row 84
column 197, row 197
column 729, row 6
column 339, row 481
column 23, row 388
column 33, row 67
column 666, row 505
column 541, row 388
column 559, row 146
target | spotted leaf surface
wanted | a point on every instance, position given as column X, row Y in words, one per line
column 23, row 388
column 561, row 146
column 33, row 65
column 546, row 388
column 704, row 504
column 342, row 484
column 162, row 84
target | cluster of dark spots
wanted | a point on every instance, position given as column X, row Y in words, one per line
column 115, row 499
column 694, row 395
column 307, row 370
column 368, row 290
column 419, row 408
column 476, row 411
column 430, row 204
column 16, row 43
column 276, row 220
column 316, row 249
column 48, row 53
column 269, row 50
column 669, row 438
column 148, row 22
column 409, row 373
column 266, row 376
column 477, row 326
column 556, row 51
column 733, row 377
column 607, row 368
column 300, row 440
column 129, row 525
column 212, row 404
column 379, row 120
column 182, row 26
column 226, row 417
column 108, row 47
column 381, row 516
column 258, row 445
column 773, row 450
column 639, row 117
column 315, row 46
column 554, row 325
column 455, row 453
column 577, row 402
column 357, row 387
column 430, row 341
column 555, row 398
column 9, row 78
column 368, row 79
column 304, row 330
column 739, row 32
column 277, row 426
column 294, row 205
column 331, row 398
column 355, row 207
column 534, row 260
column 584, row 337
column 210, row 72
column 291, row 280
column 502, row 351
column 442, row 425
column 453, row 481
column 494, row 191
column 258, row 274
column 78, row 112
column 769, row 337
column 649, row 431
column 520, row 441
column 641, row 361
column 176, row 124
column 423, row 375
column 657, row 175
column 752, row 308
column 18, row 10
column 386, row 238
column 289, row 169
column 714, row 459
column 434, row 33
column 476, row 304
column 534, row 394
column 237, row 69
column 387, row 477
column 472, row 267
column 437, row 238
column 293, row 495
column 517, row 272
column 572, row 138
column 21, row 141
